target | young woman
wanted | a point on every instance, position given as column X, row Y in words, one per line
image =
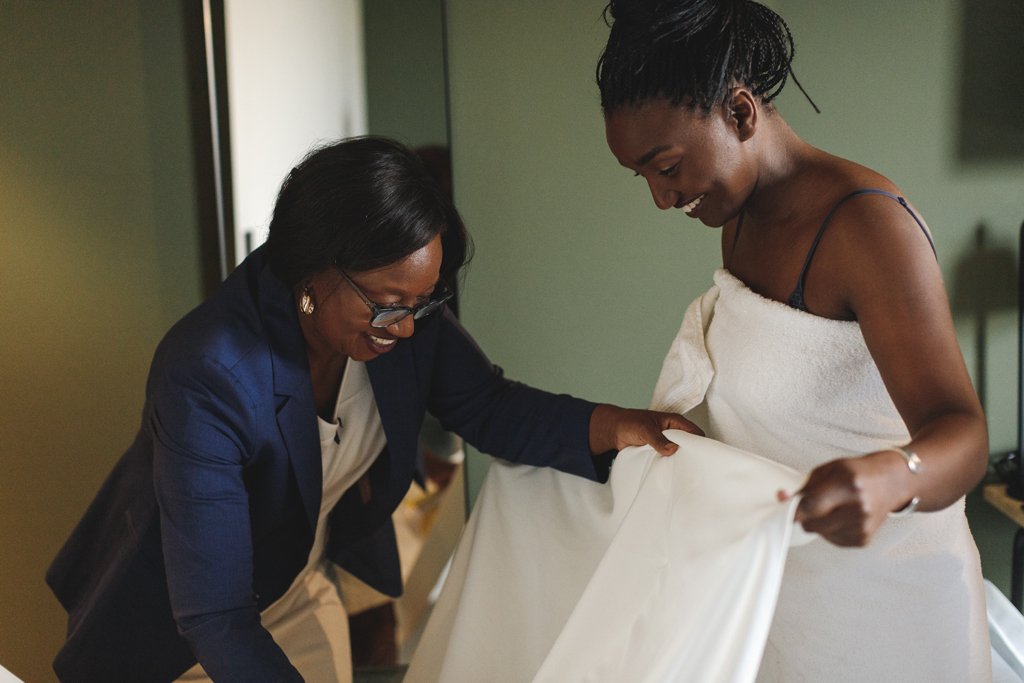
column 280, row 432
column 831, row 341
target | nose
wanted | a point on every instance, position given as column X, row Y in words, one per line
column 404, row 328
column 664, row 198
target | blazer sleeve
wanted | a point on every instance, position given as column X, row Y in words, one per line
column 471, row 396
column 201, row 420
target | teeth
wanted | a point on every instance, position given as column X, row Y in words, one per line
column 693, row 205
column 382, row 342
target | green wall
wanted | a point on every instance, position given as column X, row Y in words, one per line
column 405, row 70
column 99, row 257
column 579, row 283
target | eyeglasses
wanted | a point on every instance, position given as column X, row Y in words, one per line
column 384, row 316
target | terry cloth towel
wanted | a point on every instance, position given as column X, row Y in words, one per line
column 802, row 390
column 667, row 573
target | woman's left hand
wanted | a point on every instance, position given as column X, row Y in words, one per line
column 847, row 500
column 614, row 428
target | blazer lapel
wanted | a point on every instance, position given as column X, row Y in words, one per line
column 393, row 378
column 293, row 390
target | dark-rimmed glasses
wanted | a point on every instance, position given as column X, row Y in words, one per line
column 385, row 316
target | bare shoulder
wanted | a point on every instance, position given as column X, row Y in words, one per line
column 875, row 242
column 870, row 214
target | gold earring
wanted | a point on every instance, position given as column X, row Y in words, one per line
column 306, row 304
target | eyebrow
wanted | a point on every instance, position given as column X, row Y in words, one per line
column 651, row 153
column 395, row 292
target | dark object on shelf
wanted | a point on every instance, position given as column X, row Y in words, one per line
column 1007, row 471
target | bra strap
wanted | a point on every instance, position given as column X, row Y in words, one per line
column 796, row 299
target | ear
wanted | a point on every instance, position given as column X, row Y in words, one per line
column 742, row 113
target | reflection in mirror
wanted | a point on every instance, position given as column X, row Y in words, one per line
column 295, row 76
column 304, row 72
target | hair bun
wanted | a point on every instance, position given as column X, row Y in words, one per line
column 692, row 51
column 670, row 19
column 633, row 10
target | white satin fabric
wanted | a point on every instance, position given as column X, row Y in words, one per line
column 668, row 573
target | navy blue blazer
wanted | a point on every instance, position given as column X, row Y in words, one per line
column 210, row 514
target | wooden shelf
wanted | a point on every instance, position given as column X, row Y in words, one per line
column 995, row 494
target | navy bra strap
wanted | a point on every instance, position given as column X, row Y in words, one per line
column 796, row 299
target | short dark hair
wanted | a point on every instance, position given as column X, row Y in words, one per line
column 359, row 204
column 692, row 52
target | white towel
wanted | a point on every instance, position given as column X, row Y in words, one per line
column 801, row 390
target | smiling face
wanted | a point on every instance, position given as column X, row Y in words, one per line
column 340, row 323
column 701, row 163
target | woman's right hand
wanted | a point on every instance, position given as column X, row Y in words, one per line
column 846, row 500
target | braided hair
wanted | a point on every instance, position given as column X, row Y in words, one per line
column 692, row 52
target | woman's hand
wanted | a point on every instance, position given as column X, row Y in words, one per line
column 614, row 428
column 847, row 500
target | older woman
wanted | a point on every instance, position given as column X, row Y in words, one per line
column 280, row 431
